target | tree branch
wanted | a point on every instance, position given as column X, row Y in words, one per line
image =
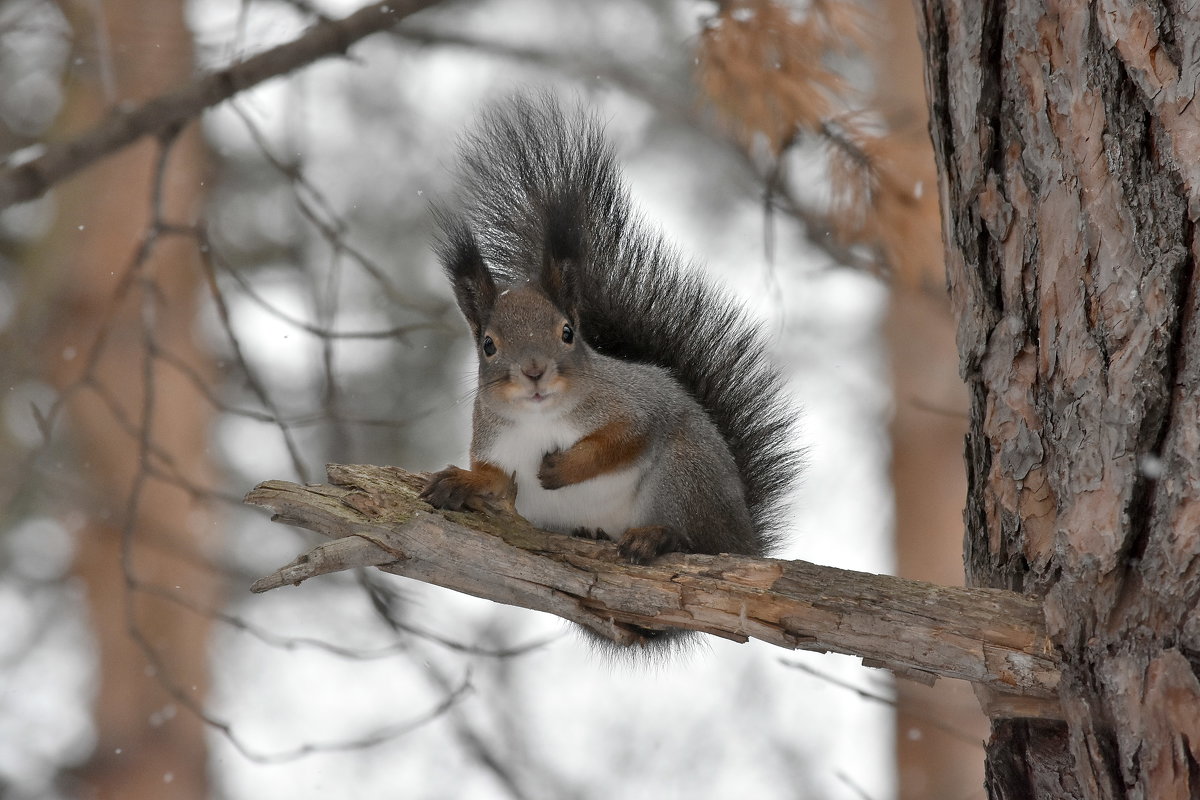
column 993, row 638
column 122, row 127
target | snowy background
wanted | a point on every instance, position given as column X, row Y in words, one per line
column 375, row 134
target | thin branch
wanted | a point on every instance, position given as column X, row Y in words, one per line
column 327, row 37
column 501, row 762
column 281, row 642
column 854, row 787
column 865, row 694
column 399, row 332
column 995, row 639
column 252, row 381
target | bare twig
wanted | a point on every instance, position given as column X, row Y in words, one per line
column 995, row 639
column 252, row 381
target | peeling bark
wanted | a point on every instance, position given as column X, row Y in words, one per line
column 1069, row 159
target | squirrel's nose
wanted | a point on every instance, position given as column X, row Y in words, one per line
column 533, row 371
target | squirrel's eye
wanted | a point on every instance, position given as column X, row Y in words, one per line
column 568, row 334
column 489, row 347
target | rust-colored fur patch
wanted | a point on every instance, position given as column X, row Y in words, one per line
column 609, row 448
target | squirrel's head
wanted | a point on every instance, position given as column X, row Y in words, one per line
column 527, row 334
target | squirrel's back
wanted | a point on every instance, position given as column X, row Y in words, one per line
column 529, row 172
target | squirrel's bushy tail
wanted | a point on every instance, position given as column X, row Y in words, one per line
column 529, row 167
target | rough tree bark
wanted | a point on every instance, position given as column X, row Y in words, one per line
column 1066, row 140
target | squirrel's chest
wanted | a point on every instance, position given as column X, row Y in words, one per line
column 607, row 502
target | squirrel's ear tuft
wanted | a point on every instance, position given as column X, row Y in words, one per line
column 562, row 257
column 462, row 261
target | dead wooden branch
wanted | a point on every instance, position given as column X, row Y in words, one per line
column 31, row 179
column 993, row 638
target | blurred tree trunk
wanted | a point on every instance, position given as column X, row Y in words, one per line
column 928, row 425
column 1069, row 165
column 147, row 744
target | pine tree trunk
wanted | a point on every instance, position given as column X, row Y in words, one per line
column 928, row 422
column 147, row 744
column 1069, row 161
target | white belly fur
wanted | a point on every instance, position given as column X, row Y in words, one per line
column 608, row 502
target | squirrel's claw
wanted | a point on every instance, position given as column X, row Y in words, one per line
column 597, row 534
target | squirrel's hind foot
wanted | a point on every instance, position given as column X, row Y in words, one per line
column 643, row 544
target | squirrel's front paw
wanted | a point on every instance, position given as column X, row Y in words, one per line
column 552, row 473
column 450, row 488
column 455, row 489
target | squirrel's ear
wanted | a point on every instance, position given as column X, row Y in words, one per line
column 562, row 258
column 462, row 261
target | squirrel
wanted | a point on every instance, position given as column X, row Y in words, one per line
column 624, row 396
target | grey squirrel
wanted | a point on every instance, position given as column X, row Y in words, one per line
column 627, row 398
